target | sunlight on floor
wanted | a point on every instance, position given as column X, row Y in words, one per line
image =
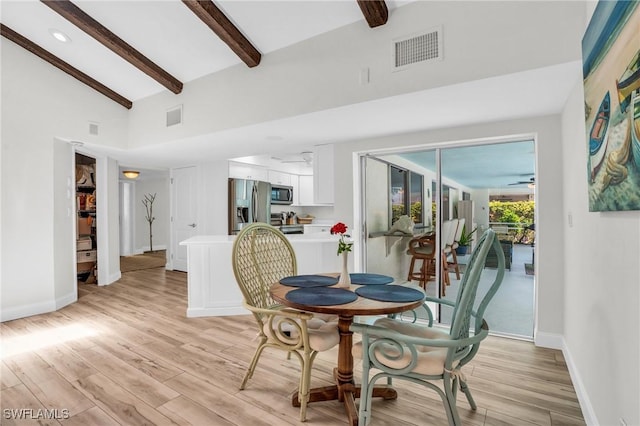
column 31, row 341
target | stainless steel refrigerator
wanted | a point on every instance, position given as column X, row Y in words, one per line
column 249, row 202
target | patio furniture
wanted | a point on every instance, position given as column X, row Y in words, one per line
column 422, row 249
column 507, row 250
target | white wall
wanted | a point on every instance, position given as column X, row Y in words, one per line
column 160, row 187
column 602, row 290
column 212, row 193
column 602, row 295
column 108, row 220
column 64, row 223
column 40, row 103
column 481, row 209
column 481, row 39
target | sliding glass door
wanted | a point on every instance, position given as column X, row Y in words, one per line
column 460, row 191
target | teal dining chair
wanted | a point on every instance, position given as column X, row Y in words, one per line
column 419, row 353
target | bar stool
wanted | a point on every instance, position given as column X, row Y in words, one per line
column 422, row 248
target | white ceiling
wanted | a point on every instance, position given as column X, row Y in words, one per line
column 172, row 36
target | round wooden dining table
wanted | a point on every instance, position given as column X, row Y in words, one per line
column 345, row 389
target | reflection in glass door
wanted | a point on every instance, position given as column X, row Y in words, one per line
column 490, row 191
column 485, row 185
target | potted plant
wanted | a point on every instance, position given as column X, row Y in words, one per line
column 464, row 241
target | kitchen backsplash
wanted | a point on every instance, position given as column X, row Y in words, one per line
column 322, row 214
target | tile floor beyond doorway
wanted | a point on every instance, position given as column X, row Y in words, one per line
column 511, row 310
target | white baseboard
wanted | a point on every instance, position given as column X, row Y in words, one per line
column 147, row 248
column 113, row 278
column 27, row 310
column 549, row 340
column 583, row 397
column 67, row 299
column 556, row 341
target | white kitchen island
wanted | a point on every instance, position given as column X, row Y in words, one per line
column 212, row 288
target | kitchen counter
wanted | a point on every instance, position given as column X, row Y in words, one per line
column 211, row 286
column 217, row 239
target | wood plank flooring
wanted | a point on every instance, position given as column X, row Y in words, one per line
column 125, row 354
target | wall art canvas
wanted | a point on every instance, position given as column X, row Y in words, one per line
column 611, row 71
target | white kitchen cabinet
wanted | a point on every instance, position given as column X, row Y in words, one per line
column 305, row 190
column 279, row 178
column 323, row 174
column 248, row 171
column 295, row 184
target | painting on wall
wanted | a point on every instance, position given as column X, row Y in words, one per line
column 611, row 71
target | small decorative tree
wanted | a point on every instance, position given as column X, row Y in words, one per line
column 148, row 204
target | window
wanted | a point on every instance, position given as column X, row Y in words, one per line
column 398, row 181
column 416, row 196
column 406, row 194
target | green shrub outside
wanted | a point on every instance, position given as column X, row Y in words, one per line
column 514, row 212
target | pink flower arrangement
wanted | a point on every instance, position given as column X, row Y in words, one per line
column 341, row 229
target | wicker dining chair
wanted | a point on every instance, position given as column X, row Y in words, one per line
column 422, row 354
column 261, row 256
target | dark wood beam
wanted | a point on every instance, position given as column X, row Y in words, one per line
column 224, row 28
column 27, row 44
column 86, row 23
column 374, row 11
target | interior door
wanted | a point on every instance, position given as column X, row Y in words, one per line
column 183, row 214
column 126, row 218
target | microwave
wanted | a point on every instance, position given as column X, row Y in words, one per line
column 281, row 194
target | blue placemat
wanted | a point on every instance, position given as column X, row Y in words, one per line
column 390, row 293
column 321, row 296
column 308, row 281
column 370, row 279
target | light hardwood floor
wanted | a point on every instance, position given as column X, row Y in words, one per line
column 126, row 354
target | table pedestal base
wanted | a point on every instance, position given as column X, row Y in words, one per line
column 347, row 393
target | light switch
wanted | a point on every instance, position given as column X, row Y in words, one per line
column 364, row 76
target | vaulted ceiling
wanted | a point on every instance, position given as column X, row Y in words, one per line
column 131, row 50
column 176, row 42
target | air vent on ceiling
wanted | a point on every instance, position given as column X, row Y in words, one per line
column 93, row 128
column 174, row 116
column 417, row 48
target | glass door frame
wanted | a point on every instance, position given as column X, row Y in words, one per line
column 360, row 211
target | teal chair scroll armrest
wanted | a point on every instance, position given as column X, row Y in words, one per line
column 426, row 355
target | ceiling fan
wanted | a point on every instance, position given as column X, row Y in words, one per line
column 531, row 182
column 303, row 157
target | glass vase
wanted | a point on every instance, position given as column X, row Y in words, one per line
column 345, row 280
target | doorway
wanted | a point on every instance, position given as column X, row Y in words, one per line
column 464, row 180
column 86, row 219
column 143, row 245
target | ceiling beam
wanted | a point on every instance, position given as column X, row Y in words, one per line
column 374, row 11
column 224, row 28
column 27, row 44
column 86, row 23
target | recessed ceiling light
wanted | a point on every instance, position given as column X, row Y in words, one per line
column 59, row 35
